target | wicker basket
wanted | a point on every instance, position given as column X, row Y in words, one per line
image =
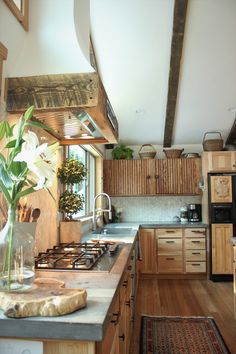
column 173, row 153
column 213, row 144
column 147, row 151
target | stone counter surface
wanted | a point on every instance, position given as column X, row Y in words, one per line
column 88, row 324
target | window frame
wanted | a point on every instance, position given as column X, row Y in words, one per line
column 88, row 205
column 22, row 15
column 3, row 56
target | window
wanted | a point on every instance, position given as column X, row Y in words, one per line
column 20, row 9
column 87, row 189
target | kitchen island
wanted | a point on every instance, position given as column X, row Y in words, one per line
column 83, row 329
column 90, row 327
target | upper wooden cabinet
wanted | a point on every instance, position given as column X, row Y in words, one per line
column 152, row 177
column 219, row 161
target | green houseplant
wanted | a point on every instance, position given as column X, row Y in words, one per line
column 72, row 172
column 26, row 166
column 121, row 151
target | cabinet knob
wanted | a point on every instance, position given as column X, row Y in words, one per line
column 122, row 337
column 148, row 177
column 233, row 165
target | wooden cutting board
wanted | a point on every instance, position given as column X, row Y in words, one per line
column 48, row 297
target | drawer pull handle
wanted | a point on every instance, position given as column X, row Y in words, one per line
column 170, row 241
column 129, row 267
column 125, row 283
column 196, row 264
column 195, row 241
column 170, row 259
column 198, row 232
column 170, row 231
column 196, row 253
column 116, row 318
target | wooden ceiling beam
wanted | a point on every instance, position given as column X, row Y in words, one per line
column 179, row 19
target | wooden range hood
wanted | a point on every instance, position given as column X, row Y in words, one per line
column 75, row 106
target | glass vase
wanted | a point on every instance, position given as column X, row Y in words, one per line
column 16, row 254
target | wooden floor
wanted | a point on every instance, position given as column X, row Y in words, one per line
column 187, row 298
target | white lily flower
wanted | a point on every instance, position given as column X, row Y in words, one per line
column 40, row 159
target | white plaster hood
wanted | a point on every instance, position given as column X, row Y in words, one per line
column 57, row 42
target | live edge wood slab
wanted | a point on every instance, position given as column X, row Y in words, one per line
column 48, row 297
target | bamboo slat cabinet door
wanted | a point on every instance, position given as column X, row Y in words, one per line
column 148, row 265
column 222, row 250
column 124, row 177
column 152, row 177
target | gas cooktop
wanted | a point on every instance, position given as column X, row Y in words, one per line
column 94, row 256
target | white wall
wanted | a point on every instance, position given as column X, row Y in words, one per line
column 51, row 45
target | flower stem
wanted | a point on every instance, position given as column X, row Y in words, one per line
column 12, row 219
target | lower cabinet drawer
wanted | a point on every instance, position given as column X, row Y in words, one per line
column 170, row 264
column 195, row 267
column 195, row 255
column 173, row 246
column 195, row 243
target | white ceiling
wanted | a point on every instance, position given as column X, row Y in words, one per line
column 132, row 41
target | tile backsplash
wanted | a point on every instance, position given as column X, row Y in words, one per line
column 157, row 208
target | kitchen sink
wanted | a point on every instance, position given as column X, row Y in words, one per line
column 113, row 231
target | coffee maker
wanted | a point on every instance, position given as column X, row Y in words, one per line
column 194, row 212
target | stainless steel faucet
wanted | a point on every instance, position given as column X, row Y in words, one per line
column 101, row 209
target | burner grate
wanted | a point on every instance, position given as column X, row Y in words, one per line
column 74, row 256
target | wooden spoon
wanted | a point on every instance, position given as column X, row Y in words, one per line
column 35, row 214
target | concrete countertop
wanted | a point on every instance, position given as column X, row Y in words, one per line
column 234, row 241
column 86, row 324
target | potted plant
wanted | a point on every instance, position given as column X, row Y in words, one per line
column 121, row 151
column 71, row 172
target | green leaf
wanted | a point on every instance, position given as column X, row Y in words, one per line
column 2, row 130
column 12, row 143
column 2, row 159
column 29, row 113
column 5, row 192
column 39, row 125
column 17, row 167
column 5, row 183
column 24, row 193
column 8, row 130
column 4, row 177
column 20, row 131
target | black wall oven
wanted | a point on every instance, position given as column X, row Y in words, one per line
column 222, row 213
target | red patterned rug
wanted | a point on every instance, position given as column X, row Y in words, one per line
column 180, row 335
